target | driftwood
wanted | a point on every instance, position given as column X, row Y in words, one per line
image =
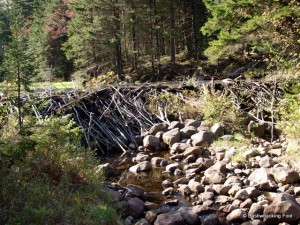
column 112, row 117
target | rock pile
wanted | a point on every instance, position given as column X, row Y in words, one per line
column 259, row 191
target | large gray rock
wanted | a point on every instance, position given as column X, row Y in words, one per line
column 237, row 215
column 246, row 193
column 284, row 208
column 266, row 162
column 151, row 142
column 172, row 167
column 141, row 167
column 189, row 216
column 158, row 127
column 142, row 222
column 170, row 218
column 136, row 207
column 188, row 131
column 191, row 122
column 141, row 157
column 217, row 129
column 285, row 176
column 197, row 151
column 214, row 177
column 256, row 211
column 195, row 186
column 156, row 161
column 135, row 190
column 263, row 179
column 106, row 169
column 175, row 124
column 179, row 147
column 171, row 136
column 202, row 138
column 258, row 129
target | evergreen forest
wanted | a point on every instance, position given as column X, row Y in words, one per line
column 149, row 112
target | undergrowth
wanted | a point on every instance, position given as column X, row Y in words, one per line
column 48, row 178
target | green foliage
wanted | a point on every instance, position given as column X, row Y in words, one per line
column 219, row 107
column 289, row 114
column 185, row 106
column 53, row 180
column 247, row 28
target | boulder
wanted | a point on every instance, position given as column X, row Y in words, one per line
column 106, row 169
column 285, row 176
column 151, row 142
column 188, row 131
column 191, row 122
column 197, row 151
column 171, row 136
column 158, row 127
column 135, row 190
column 217, row 129
column 136, row 207
column 175, row 124
column 141, row 157
column 221, row 189
column 213, row 176
column 172, row 167
column 202, row 138
column 170, row 218
column 284, row 208
column 182, row 180
column 237, row 215
column 266, row 162
column 196, row 186
column 185, row 190
column 141, row 167
column 250, row 153
column 156, row 161
column 168, row 191
column 263, row 179
column 142, row 222
column 179, row 148
column 256, row 211
column 246, row 193
column 189, row 216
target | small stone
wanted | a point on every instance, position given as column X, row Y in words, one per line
column 167, row 183
column 175, row 124
column 107, row 169
column 143, row 222
column 182, row 180
column 151, row 142
column 188, row 131
column 141, row 167
column 156, row 161
column 185, row 190
column 197, row 151
column 158, row 127
column 151, row 205
column 179, row 148
column 227, row 137
column 203, row 137
column 256, row 211
column 275, row 152
column 171, row 136
column 285, row 176
column 135, row 190
column 246, row 204
column 170, row 218
column 172, row 167
column 217, row 129
column 172, row 202
column 168, row 191
column 266, row 162
column 237, row 215
column 195, row 186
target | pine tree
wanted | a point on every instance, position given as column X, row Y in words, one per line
column 245, row 29
column 17, row 64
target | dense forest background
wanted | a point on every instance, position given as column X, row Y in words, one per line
column 144, row 39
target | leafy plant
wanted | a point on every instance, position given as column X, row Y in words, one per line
column 53, row 180
column 218, row 107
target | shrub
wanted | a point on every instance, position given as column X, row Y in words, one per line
column 289, row 114
column 218, row 107
column 184, row 106
column 53, row 181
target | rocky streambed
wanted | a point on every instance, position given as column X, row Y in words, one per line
column 177, row 179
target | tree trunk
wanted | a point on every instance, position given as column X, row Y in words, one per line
column 118, row 47
column 134, row 38
column 172, row 36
